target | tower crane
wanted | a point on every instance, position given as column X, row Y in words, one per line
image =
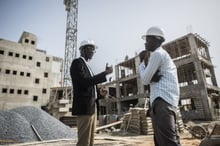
column 62, row 112
column 71, row 42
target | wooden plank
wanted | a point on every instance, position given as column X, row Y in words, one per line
column 36, row 133
column 8, row 141
column 108, row 125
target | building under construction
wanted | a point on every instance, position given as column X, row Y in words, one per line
column 199, row 92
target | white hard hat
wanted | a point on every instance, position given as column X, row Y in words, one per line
column 154, row 31
column 88, row 42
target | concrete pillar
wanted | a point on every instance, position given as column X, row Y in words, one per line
column 118, row 93
column 140, row 86
column 200, row 77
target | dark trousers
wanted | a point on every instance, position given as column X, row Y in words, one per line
column 164, row 123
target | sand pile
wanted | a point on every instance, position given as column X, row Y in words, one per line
column 17, row 125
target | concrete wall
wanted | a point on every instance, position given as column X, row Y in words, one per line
column 26, row 73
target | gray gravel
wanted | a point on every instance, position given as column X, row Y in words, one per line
column 16, row 124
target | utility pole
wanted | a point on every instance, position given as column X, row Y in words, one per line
column 71, row 42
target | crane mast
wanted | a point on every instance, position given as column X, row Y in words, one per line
column 71, row 40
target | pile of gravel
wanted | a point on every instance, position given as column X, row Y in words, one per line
column 17, row 125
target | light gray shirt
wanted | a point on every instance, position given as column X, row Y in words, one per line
column 168, row 87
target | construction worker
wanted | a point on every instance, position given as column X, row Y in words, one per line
column 85, row 92
column 161, row 74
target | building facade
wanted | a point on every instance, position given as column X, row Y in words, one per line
column 26, row 73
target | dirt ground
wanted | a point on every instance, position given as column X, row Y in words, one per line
column 140, row 140
column 114, row 140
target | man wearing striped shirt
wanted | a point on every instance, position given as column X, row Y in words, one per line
column 161, row 74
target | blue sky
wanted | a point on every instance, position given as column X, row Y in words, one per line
column 115, row 25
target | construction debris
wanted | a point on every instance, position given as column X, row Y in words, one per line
column 16, row 126
column 136, row 122
column 108, row 126
column 213, row 139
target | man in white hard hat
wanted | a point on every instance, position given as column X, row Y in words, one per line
column 161, row 74
column 86, row 93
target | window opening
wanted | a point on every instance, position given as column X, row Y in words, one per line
column 35, row 98
column 21, row 73
column 11, row 91
column 2, row 52
column 10, row 53
column 47, row 59
column 33, row 42
column 7, row 71
column 4, row 90
column 19, row 91
column 26, row 41
column 44, row 90
column 26, row 92
column 187, row 104
column 17, row 55
column 28, row 74
column 45, row 74
column 37, row 81
column 24, row 56
column 38, row 64
column 14, row 72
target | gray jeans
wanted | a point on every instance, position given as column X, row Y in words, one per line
column 164, row 123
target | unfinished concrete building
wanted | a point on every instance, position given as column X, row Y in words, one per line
column 199, row 92
column 26, row 73
column 198, row 86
